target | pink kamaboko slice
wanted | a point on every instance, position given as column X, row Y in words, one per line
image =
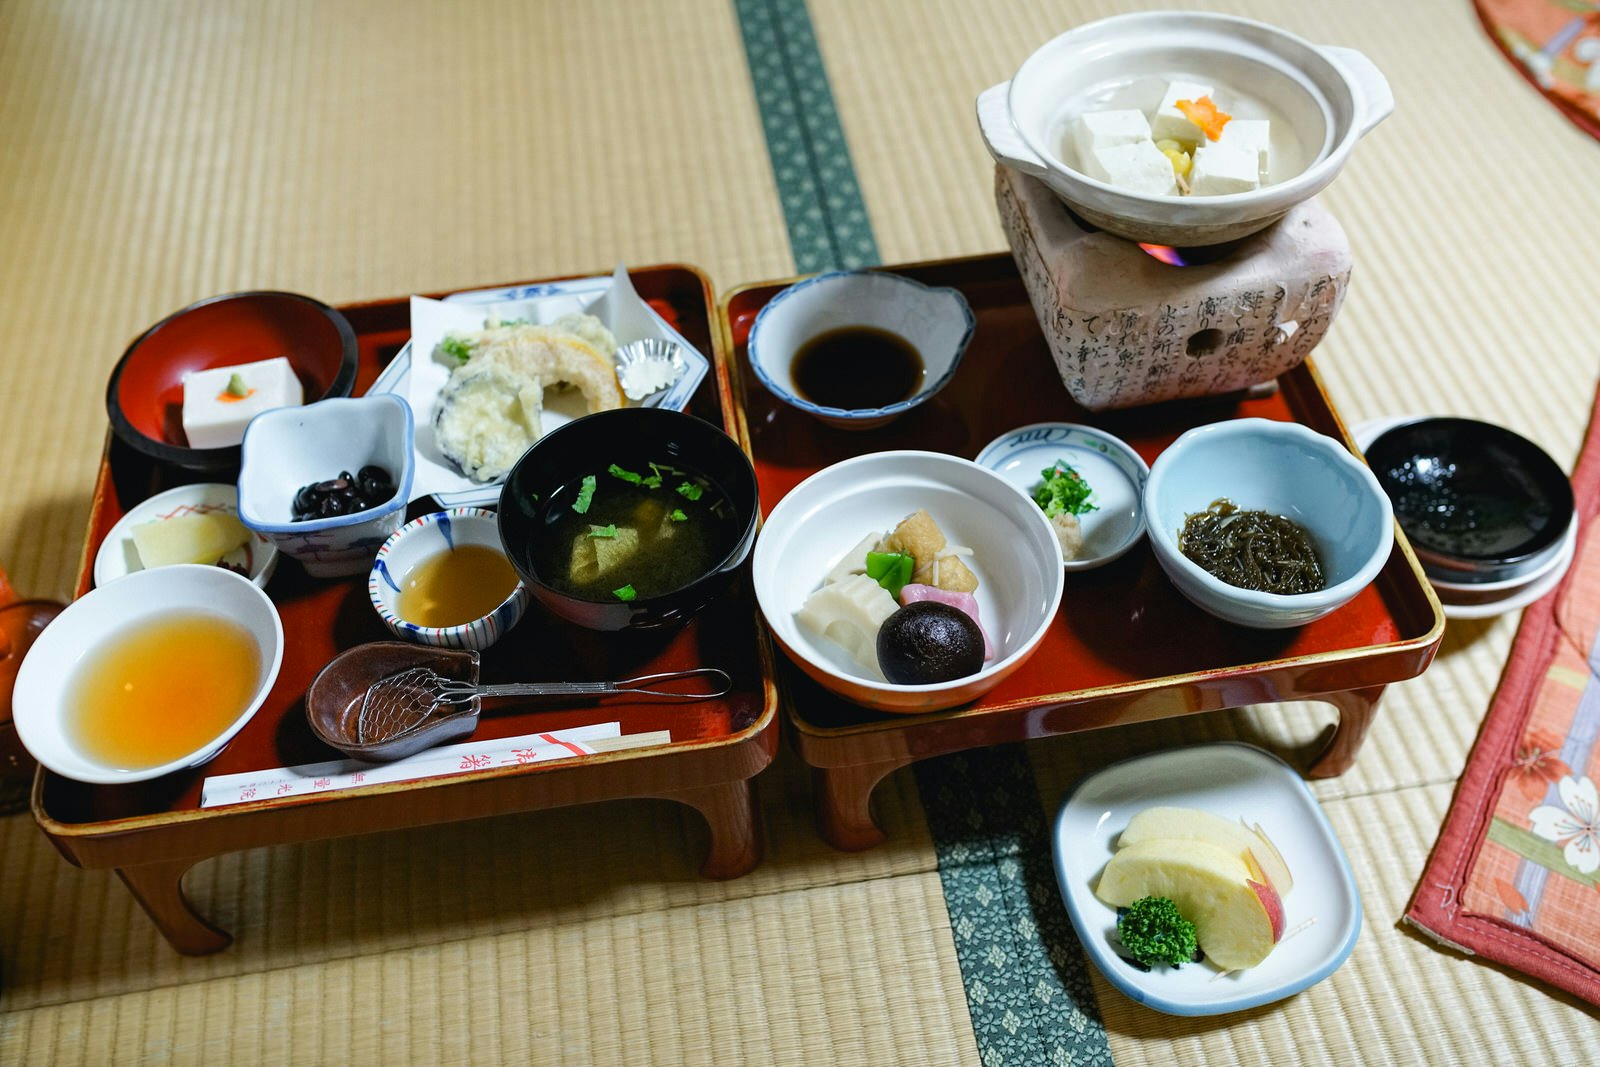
column 962, row 601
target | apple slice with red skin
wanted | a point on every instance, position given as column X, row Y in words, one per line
column 1237, row 918
column 1250, row 844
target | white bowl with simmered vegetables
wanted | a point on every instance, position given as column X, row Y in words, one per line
column 1266, row 524
column 907, row 581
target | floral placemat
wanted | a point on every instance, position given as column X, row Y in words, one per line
column 1515, row 876
column 1556, row 45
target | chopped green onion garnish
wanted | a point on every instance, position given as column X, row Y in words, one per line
column 585, row 495
column 627, row 592
column 456, row 348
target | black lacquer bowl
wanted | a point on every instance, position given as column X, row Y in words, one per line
column 588, row 446
column 1478, row 502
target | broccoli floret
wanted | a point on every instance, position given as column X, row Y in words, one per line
column 1153, row 931
column 1063, row 492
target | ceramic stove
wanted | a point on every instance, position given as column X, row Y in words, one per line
column 1131, row 324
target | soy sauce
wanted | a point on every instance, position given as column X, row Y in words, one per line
column 856, row 367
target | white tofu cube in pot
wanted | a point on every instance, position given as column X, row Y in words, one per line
column 1139, row 168
column 1249, row 135
column 219, row 403
column 1172, row 124
column 1218, row 171
column 1097, row 130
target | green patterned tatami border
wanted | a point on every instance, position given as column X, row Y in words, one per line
column 822, row 205
column 1026, row 978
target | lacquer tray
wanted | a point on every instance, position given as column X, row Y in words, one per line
column 153, row 832
column 1126, row 646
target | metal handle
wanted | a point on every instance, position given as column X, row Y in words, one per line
column 641, row 685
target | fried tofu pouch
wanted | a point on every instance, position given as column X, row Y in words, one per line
column 919, row 537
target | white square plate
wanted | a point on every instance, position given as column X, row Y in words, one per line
column 1322, row 914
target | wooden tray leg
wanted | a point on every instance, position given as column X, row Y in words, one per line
column 1357, row 708
column 844, row 803
column 734, row 817
column 158, row 887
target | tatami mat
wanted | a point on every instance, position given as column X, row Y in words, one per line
column 163, row 151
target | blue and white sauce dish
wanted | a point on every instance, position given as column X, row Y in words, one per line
column 936, row 322
column 1114, row 471
column 288, row 448
column 419, row 541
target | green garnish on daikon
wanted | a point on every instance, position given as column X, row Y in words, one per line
column 1064, row 492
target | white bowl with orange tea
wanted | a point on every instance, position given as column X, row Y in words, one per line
column 444, row 580
column 151, row 674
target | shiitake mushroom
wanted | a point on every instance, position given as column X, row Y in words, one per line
column 926, row 642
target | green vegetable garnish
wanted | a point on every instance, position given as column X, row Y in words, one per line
column 627, row 592
column 603, row 531
column 456, row 348
column 585, row 495
column 678, row 515
column 1153, row 931
column 892, row 570
column 237, row 386
column 690, row 490
column 1064, row 492
column 626, row 475
column 490, row 324
column 654, row 481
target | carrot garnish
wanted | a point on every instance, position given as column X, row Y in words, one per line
column 1205, row 114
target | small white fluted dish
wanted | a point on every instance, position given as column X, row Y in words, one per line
column 1331, row 97
column 937, row 322
column 1015, row 556
column 1115, row 472
column 1286, row 469
column 41, row 703
column 288, row 448
column 418, row 541
column 118, row 557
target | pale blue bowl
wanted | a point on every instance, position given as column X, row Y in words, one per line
column 1286, row 469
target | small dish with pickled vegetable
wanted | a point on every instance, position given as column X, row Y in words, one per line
column 629, row 519
column 1221, row 501
column 1089, row 483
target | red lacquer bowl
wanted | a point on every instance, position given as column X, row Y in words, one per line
column 144, row 398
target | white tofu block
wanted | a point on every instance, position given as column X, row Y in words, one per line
column 214, row 418
column 1170, row 123
column 1218, row 170
column 1248, row 135
column 1138, row 168
column 1097, row 130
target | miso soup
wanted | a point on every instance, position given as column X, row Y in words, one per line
column 633, row 531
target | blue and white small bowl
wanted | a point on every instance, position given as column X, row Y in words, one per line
column 938, row 323
column 1286, row 469
column 420, row 540
column 287, row 448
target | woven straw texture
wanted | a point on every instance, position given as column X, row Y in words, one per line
column 163, row 151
